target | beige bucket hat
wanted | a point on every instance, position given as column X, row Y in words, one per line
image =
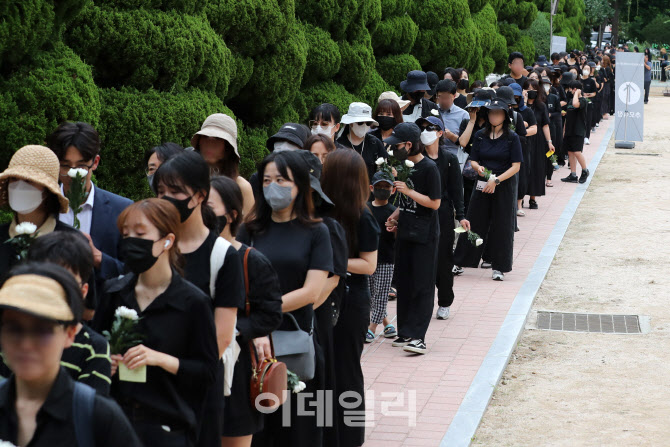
column 221, row 126
column 37, row 164
column 36, row 295
column 394, row 96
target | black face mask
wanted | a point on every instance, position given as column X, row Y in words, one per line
column 137, row 254
column 532, row 94
column 382, row 194
column 221, row 222
column 401, row 154
column 182, row 206
column 463, row 84
column 386, row 122
column 416, row 96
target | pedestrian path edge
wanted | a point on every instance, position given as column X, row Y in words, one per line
column 471, row 411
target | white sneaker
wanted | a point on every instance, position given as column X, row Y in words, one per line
column 498, row 275
column 442, row 313
column 586, row 141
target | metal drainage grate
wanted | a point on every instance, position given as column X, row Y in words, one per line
column 637, row 153
column 571, row 322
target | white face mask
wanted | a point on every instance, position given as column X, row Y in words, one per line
column 360, row 129
column 546, row 89
column 285, row 146
column 327, row 131
column 428, row 137
column 24, row 198
column 586, row 72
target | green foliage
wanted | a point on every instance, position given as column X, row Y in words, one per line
column 243, row 69
column 25, row 26
column 358, row 61
column 392, row 8
column 516, row 41
column 394, row 69
column 152, row 49
column 395, row 35
column 539, row 32
column 57, row 86
column 251, row 144
column 495, row 45
column 658, row 30
column 375, row 86
column 327, row 91
column 133, row 121
column 323, row 55
column 182, row 6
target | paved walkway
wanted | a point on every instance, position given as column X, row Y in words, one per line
column 438, row 382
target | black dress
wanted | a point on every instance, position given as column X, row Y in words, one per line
column 537, row 149
column 349, row 335
column 293, row 249
column 239, row 417
column 526, row 141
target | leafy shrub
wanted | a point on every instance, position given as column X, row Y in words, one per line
column 323, row 55
column 25, row 26
column 394, row 68
column 395, row 35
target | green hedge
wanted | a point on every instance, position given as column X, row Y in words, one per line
column 57, row 86
column 182, row 6
column 323, row 55
column 395, row 35
column 394, row 68
column 25, row 26
column 151, row 49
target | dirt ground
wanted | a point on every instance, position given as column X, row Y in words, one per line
column 585, row 389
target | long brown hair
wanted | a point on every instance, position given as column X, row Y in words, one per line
column 164, row 216
column 606, row 61
column 345, row 181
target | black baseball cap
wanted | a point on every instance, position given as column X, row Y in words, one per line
column 293, row 132
column 381, row 177
column 404, row 132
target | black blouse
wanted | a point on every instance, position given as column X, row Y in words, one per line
column 178, row 322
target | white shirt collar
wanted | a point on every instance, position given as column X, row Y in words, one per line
column 89, row 200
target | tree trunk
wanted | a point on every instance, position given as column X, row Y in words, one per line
column 615, row 24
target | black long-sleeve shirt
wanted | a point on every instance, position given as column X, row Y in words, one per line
column 55, row 420
column 451, row 180
column 179, row 322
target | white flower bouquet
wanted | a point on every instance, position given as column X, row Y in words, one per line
column 26, row 233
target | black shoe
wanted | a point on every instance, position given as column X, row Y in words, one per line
column 400, row 342
column 417, row 346
column 572, row 178
column 532, row 204
column 584, row 176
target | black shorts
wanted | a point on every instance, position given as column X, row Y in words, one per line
column 573, row 144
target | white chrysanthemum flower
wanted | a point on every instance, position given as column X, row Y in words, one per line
column 479, row 242
column 409, row 164
column 435, row 112
column 299, row 387
column 26, row 228
column 124, row 312
column 390, row 153
column 380, row 161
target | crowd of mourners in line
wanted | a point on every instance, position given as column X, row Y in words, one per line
column 312, row 245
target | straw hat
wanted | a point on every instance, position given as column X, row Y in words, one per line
column 221, row 126
column 394, row 96
column 36, row 295
column 37, row 164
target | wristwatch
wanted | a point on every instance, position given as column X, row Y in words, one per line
column 497, row 180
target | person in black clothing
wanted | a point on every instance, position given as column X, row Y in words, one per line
column 590, row 89
column 491, row 212
column 178, row 345
column 415, row 88
column 540, row 144
column 43, row 414
column 467, row 130
column 608, row 79
column 284, row 229
column 380, row 281
column 87, row 360
column 451, row 199
column 555, row 125
column 388, row 115
column 241, row 420
column 355, row 135
column 517, row 70
column 345, row 181
column 418, row 229
column 211, row 264
column 575, row 129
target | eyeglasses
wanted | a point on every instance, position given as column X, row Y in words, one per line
column 64, row 169
column 14, row 334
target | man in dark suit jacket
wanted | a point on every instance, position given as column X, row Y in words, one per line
column 415, row 88
column 77, row 145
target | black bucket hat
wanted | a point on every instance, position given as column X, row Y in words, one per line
column 416, row 80
column 567, row 78
column 505, row 94
column 314, row 174
column 433, row 79
column 497, row 104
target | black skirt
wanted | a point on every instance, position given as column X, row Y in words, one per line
column 239, row 417
column 537, row 148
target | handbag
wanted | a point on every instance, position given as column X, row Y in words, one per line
column 468, row 171
column 269, row 377
column 413, row 228
column 296, row 349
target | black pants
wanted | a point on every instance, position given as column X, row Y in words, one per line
column 589, row 117
column 647, row 87
column 492, row 218
column 468, row 186
column 416, row 270
column 349, row 336
column 445, row 257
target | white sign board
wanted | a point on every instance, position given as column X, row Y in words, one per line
column 558, row 44
column 629, row 105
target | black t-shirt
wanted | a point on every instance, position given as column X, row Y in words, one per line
column 229, row 285
column 553, row 105
column 575, row 119
column 461, row 101
column 88, row 361
column 589, row 85
column 452, row 181
column 368, row 241
column 529, row 117
column 521, row 81
column 370, row 149
column 264, row 297
column 426, row 179
column 541, row 116
column 338, row 242
column 496, row 155
column 293, row 249
column 386, row 238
